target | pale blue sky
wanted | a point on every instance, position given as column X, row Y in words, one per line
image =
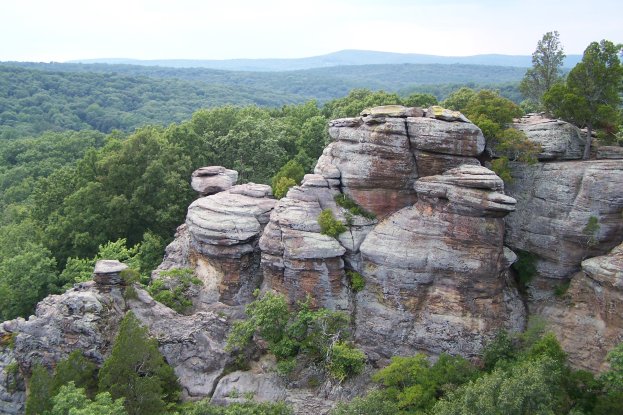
column 59, row 30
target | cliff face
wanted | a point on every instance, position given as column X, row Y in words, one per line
column 434, row 261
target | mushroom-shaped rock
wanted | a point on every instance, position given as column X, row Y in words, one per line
column 107, row 272
column 213, row 179
column 223, row 231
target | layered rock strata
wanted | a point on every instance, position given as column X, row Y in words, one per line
column 213, row 179
column 436, row 273
column 558, row 139
column 588, row 318
column 555, row 203
column 223, row 232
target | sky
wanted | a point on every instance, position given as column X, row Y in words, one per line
column 61, row 30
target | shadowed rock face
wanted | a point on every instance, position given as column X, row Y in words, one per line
column 555, row 202
column 436, row 272
column 588, row 318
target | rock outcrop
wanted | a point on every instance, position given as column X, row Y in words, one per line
column 588, row 318
column 436, row 273
column 297, row 260
column 213, row 179
column 223, row 231
column 558, row 139
column 377, row 157
column 555, row 202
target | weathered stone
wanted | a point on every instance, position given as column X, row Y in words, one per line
column 223, row 233
column 588, row 318
column 391, row 111
column 374, row 161
column 107, row 272
column 558, row 139
column 555, row 202
column 431, row 164
column 12, row 383
column 437, row 273
column 444, row 114
column 213, row 179
column 437, row 136
column 609, row 152
column 297, row 260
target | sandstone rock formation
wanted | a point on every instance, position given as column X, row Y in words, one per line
column 223, row 231
column 559, row 140
column 213, row 179
column 377, row 157
column 588, row 318
column 555, row 202
column 297, row 259
column 436, row 272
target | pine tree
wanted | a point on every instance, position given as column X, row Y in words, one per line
column 39, row 391
column 137, row 371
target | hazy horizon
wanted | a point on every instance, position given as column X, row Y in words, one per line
column 66, row 30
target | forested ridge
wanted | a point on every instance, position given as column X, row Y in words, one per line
column 37, row 97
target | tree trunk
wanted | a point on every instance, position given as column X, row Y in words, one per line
column 589, row 139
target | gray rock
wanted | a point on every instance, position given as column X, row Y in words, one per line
column 437, row 273
column 609, row 152
column 438, row 136
column 12, row 384
column 223, row 232
column 558, row 139
column 213, row 179
column 107, row 272
column 431, row 164
column 444, row 114
column 555, row 202
column 588, row 318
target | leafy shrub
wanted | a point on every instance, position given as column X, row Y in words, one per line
column 356, row 280
column 590, row 230
column 329, row 225
column 281, row 187
column 353, row 208
column 345, row 361
column 306, row 333
column 501, row 167
column 173, row 288
column 245, row 408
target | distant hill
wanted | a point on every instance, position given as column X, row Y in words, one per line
column 341, row 58
column 36, row 97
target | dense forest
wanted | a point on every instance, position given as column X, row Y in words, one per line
column 42, row 97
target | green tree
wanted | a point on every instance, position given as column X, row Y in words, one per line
column 77, row 369
column 40, row 387
column 592, row 94
column 547, row 62
column 137, row 371
column 289, row 175
column 71, row 400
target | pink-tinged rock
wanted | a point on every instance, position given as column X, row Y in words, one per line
column 438, row 136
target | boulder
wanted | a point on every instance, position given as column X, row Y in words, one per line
column 445, row 114
column 213, row 179
column 12, row 383
column 223, row 232
column 107, row 272
column 558, row 139
column 555, row 202
column 436, row 274
column 609, row 152
column 588, row 318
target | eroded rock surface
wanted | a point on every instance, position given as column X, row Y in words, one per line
column 297, row 259
column 559, row 140
column 223, row 232
column 555, row 202
column 213, row 179
column 436, row 272
column 588, row 318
